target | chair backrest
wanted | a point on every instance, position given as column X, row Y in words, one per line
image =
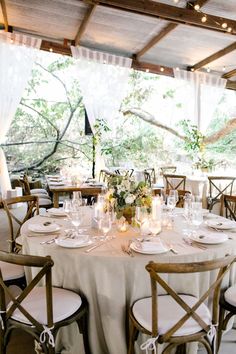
column 228, row 206
column 30, row 203
column 181, row 194
column 104, row 175
column 172, row 181
column 223, row 265
column 219, row 185
column 25, row 184
column 150, row 176
column 45, row 263
column 124, row 172
column 168, row 169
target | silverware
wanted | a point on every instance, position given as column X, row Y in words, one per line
column 126, row 249
column 193, row 244
column 48, row 242
column 171, row 247
column 102, row 242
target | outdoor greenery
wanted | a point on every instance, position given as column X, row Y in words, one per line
column 47, row 132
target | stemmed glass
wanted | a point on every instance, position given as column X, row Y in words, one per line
column 67, row 206
column 196, row 214
column 75, row 217
column 174, row 193
column 154, row 227
column 77, row 198
column 141, row 218
column 105, row 225
column 171, row 203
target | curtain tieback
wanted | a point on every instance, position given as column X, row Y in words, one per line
column 47, row 332
column 211, row 335
column 1, row 320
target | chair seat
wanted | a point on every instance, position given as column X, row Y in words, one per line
column 11, row 271
column 65, row 304
column 44, row 202
column 38, row 191
column 230, row 295
column 169, row 313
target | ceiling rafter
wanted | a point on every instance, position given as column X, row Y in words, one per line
column 229, row 74
column 165, row 31
column 170, row 27
column 213, row 57
column 4, row 13
column 171, row 13
column 85, row 23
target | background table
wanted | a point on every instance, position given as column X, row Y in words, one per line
column 111, row 280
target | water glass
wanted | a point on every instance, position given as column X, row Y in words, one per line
column 174, row 193
column 196, row 214
column 67, row 206
column 77, row 198
column 105, row 225
column 171, row 202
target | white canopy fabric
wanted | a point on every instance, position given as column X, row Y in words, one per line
column 103, row 82
column 202, row 94
column 17, row 55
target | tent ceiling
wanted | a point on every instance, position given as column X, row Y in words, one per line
column 155, row 33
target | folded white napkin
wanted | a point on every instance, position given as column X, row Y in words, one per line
column 221, row 223
column 43, row 228
column 151, row 246
column 57, row 211
column 72, row 243
column 210, row 237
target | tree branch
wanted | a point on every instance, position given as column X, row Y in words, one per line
column 226, row 130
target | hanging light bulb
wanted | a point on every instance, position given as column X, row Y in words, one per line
column 192, row 69
column 204, row 19
column 162, row 69
column 147, row 70
column 50, row 50
column 224, row 68
column 197, row 7
column 176, row 1
column 177, row 68
column 224, row 25
column 229, row 29
column 208, row 69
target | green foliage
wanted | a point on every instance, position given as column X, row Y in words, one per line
column 194, row 142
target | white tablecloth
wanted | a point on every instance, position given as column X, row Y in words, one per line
column 112, row 281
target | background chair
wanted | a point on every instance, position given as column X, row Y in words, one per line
column 40, row 310
column 104, row 175
column 181, row 195
column 30, row 203
column 217, row 187
column 168, row 169
column 150, row 176
column 228, row 206
column 44, row 200
column 174, row 181
column 177, row 319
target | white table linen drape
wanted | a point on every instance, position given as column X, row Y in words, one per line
column 17, row 55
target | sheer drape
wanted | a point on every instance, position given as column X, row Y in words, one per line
column 202, row 94
column 103, row 82
column 17, row 55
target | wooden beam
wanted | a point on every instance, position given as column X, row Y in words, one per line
column 171, row 13
column 191, row 4
column 231, row 85
column 156, row 39
column 4, row 13
column 170, row 27
column 214, row 57
column 84, row 23
column 153, row 68
column 229, row 74
column 55, row 48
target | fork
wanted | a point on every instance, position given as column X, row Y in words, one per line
column 171, row 247
column 193, row 244
column 48, row 242
column 127, row 249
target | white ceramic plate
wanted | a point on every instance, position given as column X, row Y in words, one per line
column 157, row 248
column 210, row 238
column 42, row 229
column 57, row 212
column 55, row 183
column 221, row 224
column 72, row 243
column 96, row 184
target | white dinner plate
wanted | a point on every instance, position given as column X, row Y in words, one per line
column 44, row 229
column 149, row 247
column 52, row 183
column 221, row 224
column 210, row 238
column 96, row 184
column 57, row 212
column 72, row 243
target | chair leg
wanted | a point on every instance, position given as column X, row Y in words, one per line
column 132, row 338
column 220, row 327
column 83, row 327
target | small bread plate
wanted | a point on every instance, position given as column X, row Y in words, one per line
column 210, row 238
column 57, row 212
column 149, row 247
column 44, row 229
column 56, row 183
column 73, row 243
column 221, row 224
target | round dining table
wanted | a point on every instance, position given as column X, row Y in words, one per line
column 112, row 280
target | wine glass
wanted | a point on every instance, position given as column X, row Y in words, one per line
column 75, row 218
column 154, row 227
column 67, row 206
column 171, row 203
column 196, row 214
column 140, row 215
column 174, row 193
column 77, row 198
column 105, row 225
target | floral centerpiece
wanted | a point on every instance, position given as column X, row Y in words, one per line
column 124, row 194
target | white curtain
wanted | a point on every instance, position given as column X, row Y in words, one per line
column 17, row 55
column 202, row 94
column 103, row 81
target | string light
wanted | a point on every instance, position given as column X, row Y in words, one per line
column 224, row 25
column 162, row 69
column 208, row 70
column 223, row 69
column 177, row 69
column 50, row 50
column 197, row 7
column 229, row 29
column 192, row 69
column 204, row 19
column 147, row 70
column 176, row 1
column 11, row 41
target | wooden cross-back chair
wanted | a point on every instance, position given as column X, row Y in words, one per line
column 150, row 176
column 44, row 199
column 124, row 172
column 177, row 319
column 219, row 185
column 104, row 175
column 172, row 181
column 228, row 206
column 40, row 310
column 181, row 195
column 30, row 203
